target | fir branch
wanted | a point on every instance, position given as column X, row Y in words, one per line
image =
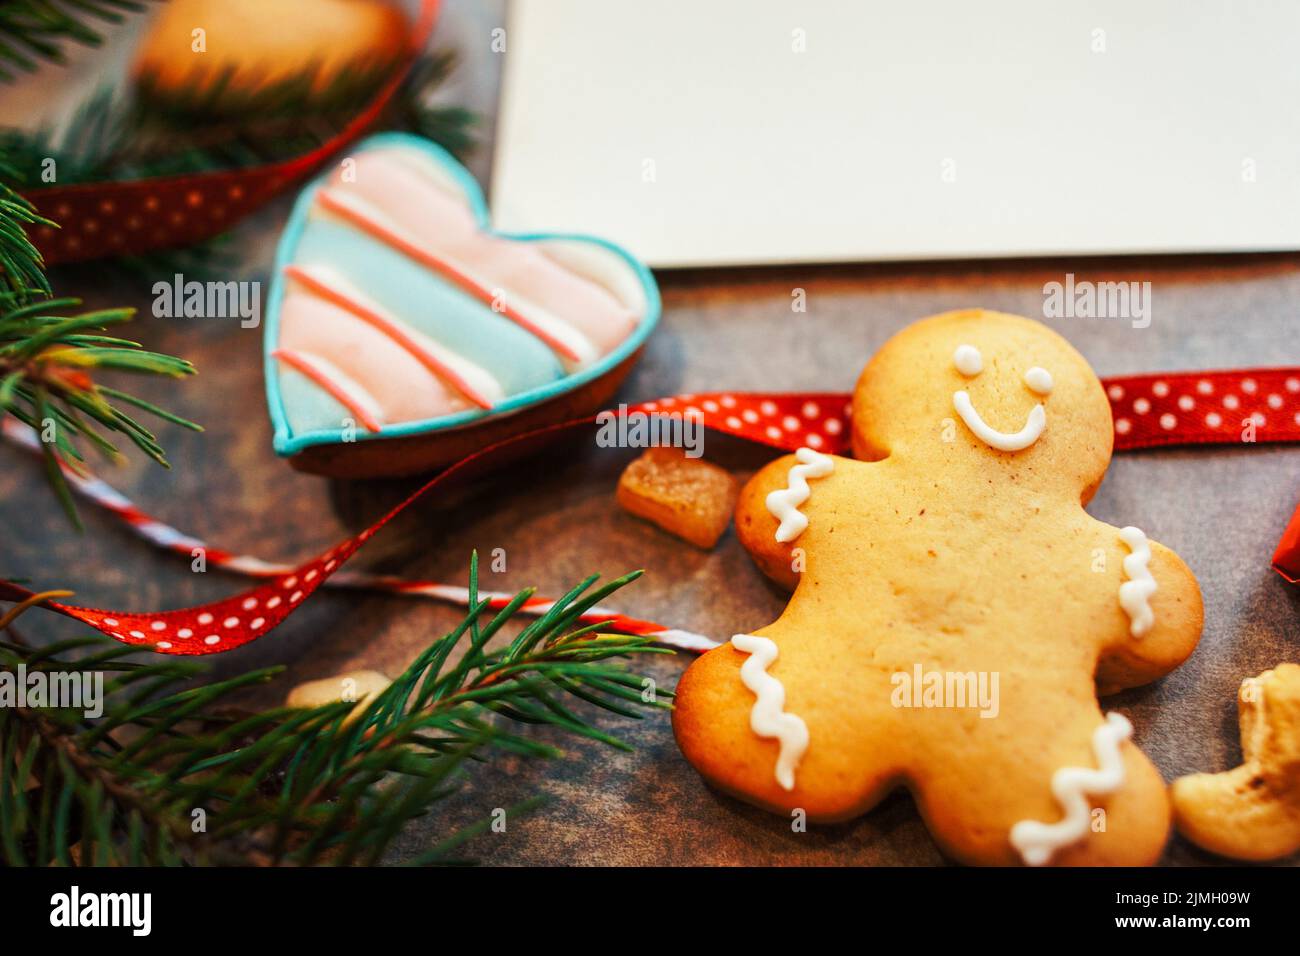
column 413, row 109
column 47, row 359
column 238, row 94
column 36, row 30
column 207, row 128
column 22, row 271
column 329, row 784
column 216, row 126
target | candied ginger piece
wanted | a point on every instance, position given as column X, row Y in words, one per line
column 687, row 497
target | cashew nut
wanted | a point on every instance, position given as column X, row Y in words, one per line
column 1251, row 812
column 358, row 686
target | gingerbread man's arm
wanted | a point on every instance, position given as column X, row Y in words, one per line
column 756, row 525
column 1155, row 631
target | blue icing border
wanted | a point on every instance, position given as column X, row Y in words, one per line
column 286, row 442
column 297, row 388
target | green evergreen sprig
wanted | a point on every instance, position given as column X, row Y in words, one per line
column 22, row 273
column 210, row 126
column 47, row 358
column 214, row 125
column 32, row 31
column 326, row 785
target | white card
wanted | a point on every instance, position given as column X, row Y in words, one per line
column 760, row 131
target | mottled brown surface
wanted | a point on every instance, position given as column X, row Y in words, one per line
column 1221, row 509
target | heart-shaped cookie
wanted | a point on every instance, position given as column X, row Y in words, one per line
column 402, row 333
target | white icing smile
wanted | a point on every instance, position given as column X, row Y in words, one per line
column 970, row 363
column 1002, row 441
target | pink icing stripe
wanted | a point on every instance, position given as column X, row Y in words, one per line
column 441, row 221
column 306, row 366
column 403, row 389
column 390, row 329
column 381, row 232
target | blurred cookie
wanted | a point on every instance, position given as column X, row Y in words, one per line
column 247, row 44
column 1251, row 812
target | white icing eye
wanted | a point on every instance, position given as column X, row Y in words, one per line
column 1039, row 380
column 968, row 360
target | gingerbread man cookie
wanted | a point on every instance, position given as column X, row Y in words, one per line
column 955, row 612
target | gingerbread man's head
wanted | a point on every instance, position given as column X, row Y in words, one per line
column 955, row 612
column 967, row 390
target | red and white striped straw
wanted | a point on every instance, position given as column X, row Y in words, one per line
column 165, row 536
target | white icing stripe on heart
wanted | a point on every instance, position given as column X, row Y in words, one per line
column 470, row 379
column 1135, row 593
column 784, row 503
column 347, row 391
column 767, row 717
column 562, row 336
column 1035, row 841
column 601, row 266
column 1002, row 441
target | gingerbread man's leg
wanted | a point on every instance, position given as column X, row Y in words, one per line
column 735, row 703
column 758, row 718
column 712, row 723
column 1086, row 797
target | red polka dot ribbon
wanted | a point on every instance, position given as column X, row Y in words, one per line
column 167, row 212
column 817, row 420
column 1216, row 408
column 1260, row 405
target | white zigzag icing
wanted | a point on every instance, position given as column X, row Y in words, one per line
column 1135, row 593
column 784, row 504
column 1036, row 841
column 767, row 717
